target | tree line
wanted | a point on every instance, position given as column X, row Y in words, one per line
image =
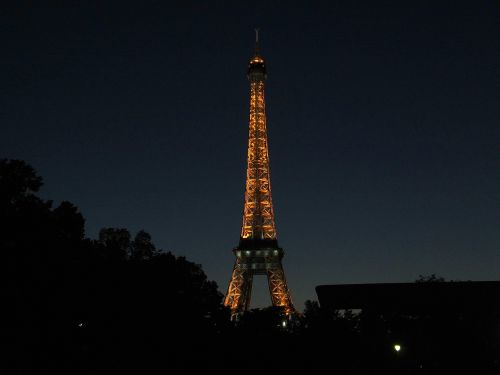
column 120, row 305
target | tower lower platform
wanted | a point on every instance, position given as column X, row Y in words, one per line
column 257, row 257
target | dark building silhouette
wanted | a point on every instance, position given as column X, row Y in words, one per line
column 412, row 297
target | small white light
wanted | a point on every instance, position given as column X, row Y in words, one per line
column 397, row 347
column 283, row 323
column 80, row 325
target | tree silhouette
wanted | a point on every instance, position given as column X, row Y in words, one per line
column 432, row 278
column 91, row 306
column 264, row 321
column 18, row 181
column 38, row 246
column 116, row 242
column 142, row 247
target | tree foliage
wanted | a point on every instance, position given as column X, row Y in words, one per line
column 121, row 305
column 114, row 296
column 432, row 278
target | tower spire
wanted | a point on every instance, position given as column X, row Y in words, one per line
column 256, row 41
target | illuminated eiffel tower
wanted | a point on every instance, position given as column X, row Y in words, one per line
column 258, row 252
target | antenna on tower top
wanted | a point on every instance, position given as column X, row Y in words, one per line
column 256, row 41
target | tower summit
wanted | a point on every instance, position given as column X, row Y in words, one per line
column 258, row 252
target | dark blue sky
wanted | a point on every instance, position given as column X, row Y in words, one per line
column 383, row 121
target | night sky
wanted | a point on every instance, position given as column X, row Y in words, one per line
column 383, row 124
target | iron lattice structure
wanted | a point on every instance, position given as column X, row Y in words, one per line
column 258, row 252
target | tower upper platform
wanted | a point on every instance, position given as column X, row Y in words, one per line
column 257, row 68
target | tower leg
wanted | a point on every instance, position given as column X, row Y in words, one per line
column 240, row 289
column 278, row 288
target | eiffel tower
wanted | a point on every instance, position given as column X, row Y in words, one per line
column 258, row 252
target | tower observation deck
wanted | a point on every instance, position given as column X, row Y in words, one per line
column 258, row 252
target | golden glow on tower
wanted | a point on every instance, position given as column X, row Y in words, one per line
column 255, row 262
column 258, row 213
column 256, row 60
column 258, row 252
